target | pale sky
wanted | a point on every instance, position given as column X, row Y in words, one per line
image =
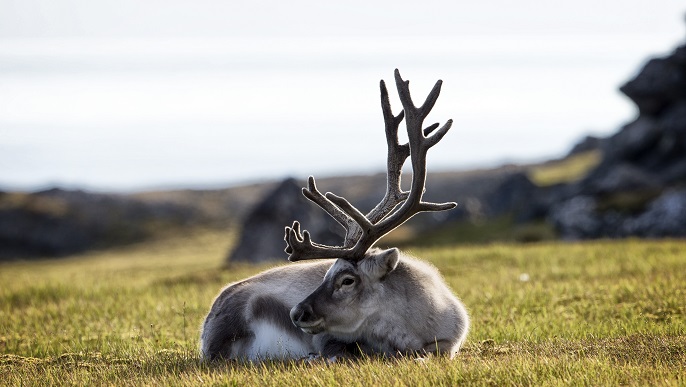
column 121, row 95
column 206, row 18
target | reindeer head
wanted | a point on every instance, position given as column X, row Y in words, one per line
column 349, row 294
column 343, row 300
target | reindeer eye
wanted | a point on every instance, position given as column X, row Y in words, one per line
column 348, row 282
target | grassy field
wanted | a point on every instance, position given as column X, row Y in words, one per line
column 597, row 313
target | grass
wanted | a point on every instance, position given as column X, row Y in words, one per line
column 596, row 313
column 567, row 170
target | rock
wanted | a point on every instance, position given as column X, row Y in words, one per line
column 632, row 142
column 665, row 217
column 576, row 218
column 637, row 190
column 679, row 56
column 262, row 233
column 480, row 194
column 588, row 143
column 661, row 82
column 516, row 195
column 669, row 158
column 622, row 177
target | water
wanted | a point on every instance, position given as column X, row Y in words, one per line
column 118, row 114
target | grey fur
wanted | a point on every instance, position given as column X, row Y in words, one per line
column 229, row 328
column 398, row 305
column 271, row 309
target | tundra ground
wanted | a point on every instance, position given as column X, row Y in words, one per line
column 593, row 313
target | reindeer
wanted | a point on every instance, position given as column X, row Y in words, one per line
column 367, row 301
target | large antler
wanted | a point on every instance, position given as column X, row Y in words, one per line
column 362, row 231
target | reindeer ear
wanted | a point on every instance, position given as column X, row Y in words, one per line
column 380, row 263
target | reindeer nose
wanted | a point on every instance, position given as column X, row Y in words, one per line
column 301, row 313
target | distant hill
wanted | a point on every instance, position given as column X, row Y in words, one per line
column 60, row 222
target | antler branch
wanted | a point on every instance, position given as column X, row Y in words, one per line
column 352, row 228
column 362, row 231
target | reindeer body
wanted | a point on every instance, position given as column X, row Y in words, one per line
column 400, row 306
column 368, row 300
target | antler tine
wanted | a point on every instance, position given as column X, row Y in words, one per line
column 397, row 154
column 352, row 229
column 299, row 246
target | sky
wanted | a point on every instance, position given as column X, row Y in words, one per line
column 134, row 95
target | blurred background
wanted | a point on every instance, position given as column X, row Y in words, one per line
column 119, row 119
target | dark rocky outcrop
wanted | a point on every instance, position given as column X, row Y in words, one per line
column 660, row 84
column 490, row 194
column 59, row 222
column 263, row 229
column 588, row 143
column 638, row 189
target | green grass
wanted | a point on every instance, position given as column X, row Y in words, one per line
column 597, row 313
column 568, row 170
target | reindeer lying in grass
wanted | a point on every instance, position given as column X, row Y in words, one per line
column 368, row 300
